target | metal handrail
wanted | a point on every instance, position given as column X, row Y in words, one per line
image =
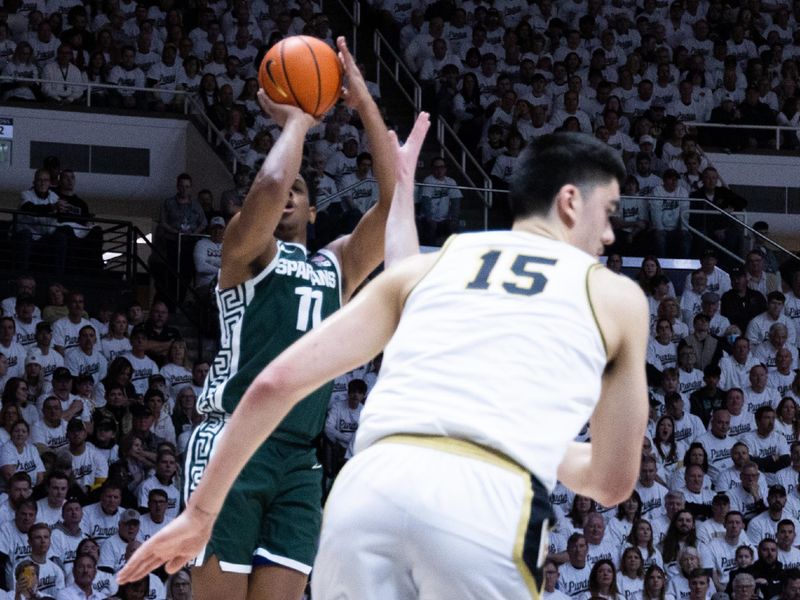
column 354, row 15
column 778, row 129
column 211, row 128
column 90, row 85
column 189, row 100
column 380, row 43
column 442, row 128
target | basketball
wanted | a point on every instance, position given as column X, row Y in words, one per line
column 303, row 71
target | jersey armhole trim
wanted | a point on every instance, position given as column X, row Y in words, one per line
column 591, row 268
column 443, row 249
column 256, row 278
column 332, row 257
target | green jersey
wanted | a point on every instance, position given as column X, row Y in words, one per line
column 260, row 318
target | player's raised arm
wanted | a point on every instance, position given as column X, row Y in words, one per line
column 317, row 357
column 250, row 233
column 607, row 468
column 362, row 251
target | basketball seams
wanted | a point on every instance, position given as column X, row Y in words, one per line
column 289, row 79
column 319, row 75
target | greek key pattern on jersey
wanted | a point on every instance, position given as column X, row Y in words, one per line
column 200, row 448
column 232, row 303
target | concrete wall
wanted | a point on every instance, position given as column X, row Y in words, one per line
column 174, row 144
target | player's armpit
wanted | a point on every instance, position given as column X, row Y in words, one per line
column 606, row 469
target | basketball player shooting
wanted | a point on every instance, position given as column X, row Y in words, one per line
column 500, row 347
column 271, row 292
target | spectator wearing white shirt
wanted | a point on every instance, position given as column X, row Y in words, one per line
column 571, row 110
column 421, row 46
column 208, row 254
column 736, row 366
column 717, row 443
column 758, row 393
column 49, row 508
column 662, row 352
column 64, row 78
column 343, row 160
column 717, row 324
column 10, row 349
column 84, row 572
column 457, row 32
column 440, row 203
column 432, row 65
column 113, row 549
column 742, row 421
column 89, row 467
column 143, row 366
column 767, row 448
column 18, row 454
column 127, row 74
column 788, row 554
column 748, row 498
column 66, row 331
column 166, row 468
column 164, row 76
column 67, row 533
column 363, row 189
column 86, row 358
column 688, row 106
column 759, row 326
column 26, row 322
column 669, row 216
column 720, row 554
column 50, row 433
column 156, row 518
column 50, row 575
column 648, row 180
column 44, row 44
column 690, row 302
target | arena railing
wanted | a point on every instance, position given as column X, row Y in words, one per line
column 409, row 86
column 116, row 259
column 447, row 138
column 775, row 132
column 188, row 102
column 354, row 15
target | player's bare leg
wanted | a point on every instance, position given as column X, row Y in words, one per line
column 209, row 582
column 275, row 582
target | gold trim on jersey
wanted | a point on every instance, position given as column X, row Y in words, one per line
column 458, row 446
column 470, row 449
column 591, row 306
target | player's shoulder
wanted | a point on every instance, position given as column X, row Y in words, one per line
column 617, row 291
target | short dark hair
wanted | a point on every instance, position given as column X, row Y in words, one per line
column 554, row 160
column 358, row 386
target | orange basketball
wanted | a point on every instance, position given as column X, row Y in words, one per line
column 303, row 71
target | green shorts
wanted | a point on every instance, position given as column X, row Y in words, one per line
column 273, row 512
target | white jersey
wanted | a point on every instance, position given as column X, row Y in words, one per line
column 511, row 309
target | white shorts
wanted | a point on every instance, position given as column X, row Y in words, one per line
column 432, row 518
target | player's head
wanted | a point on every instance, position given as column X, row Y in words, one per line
column 573, row 180
column 299, row 210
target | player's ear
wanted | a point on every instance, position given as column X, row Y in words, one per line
column 312, row 214
column 566, row 204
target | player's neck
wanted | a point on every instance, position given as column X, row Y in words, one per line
column 540, row 226
column 292, row 235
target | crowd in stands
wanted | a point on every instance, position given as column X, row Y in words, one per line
column 637, row 75
column 97, row 409
column 96, row 415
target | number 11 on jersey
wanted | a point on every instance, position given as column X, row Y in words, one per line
column 309, row 308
